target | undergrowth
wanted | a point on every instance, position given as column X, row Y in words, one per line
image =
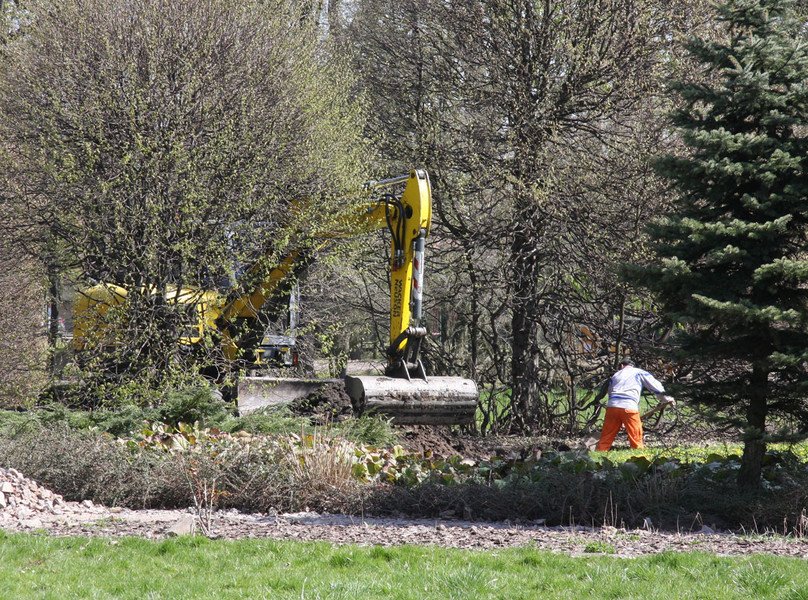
column 192, row 405
column 192, row 444
column 163, row 466
column 259, row 475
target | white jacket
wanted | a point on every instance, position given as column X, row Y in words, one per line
column 625, row 387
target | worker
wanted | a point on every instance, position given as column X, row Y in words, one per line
column 623, row 406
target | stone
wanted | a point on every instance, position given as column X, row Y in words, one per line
column 590, row 443
column 185, row 525
column 3, row 502
column 7, row 487
column 87, row 503
column 32, row 523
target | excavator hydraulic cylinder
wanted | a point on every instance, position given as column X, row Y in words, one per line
column 416, row 301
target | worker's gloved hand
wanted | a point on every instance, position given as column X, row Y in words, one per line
column 668, row 400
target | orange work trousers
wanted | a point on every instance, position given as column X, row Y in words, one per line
column 616, row 418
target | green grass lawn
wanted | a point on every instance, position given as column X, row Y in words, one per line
column 34, row 566
column 689, row 454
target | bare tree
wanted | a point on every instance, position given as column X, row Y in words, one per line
column 23, row 341
column 536, row 120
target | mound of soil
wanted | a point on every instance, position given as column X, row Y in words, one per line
column 444, row 442
column 329, row 404
column 439, row 441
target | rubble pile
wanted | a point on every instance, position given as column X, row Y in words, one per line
column 25, row 502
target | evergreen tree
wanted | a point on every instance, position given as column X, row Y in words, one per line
column 733, row 257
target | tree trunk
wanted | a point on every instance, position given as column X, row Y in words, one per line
column 53, row 321
column 754, row 447
column 526, row 264
column 525, row 388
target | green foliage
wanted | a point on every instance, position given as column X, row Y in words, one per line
column 599, row 547
column 192, row 405
column 367, row 429
column 690, row 454
column 707, row 465
column 267, row 421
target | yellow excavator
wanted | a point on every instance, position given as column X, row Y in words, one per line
column 405, row 393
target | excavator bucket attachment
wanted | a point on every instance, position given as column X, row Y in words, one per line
column 440, row 401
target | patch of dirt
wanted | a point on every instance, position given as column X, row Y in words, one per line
column 329, row 404
column 672, row 431
column 368, row 531
column 444, row 442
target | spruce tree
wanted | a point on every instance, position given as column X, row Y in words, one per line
column 732, row 268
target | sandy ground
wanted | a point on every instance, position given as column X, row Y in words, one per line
column 87, row 520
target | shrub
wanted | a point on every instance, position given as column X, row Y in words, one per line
column 278, row 420
column 251, row 474
column 193, row 404
column 368, row 429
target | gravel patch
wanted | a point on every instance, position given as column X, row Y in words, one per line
column 371, row 531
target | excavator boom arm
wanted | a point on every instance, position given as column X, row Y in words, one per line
column 407, row 216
